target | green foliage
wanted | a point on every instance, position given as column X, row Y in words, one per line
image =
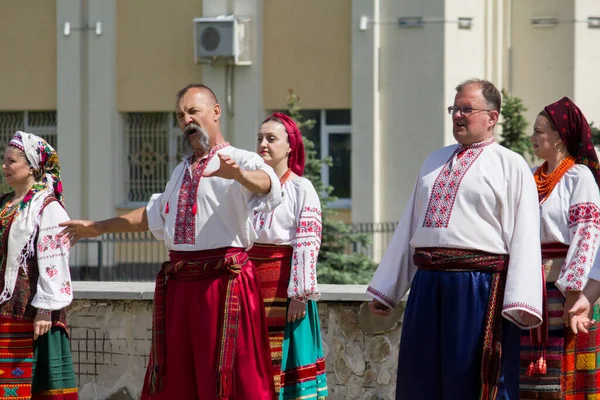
column 595, row 134
column 514, row 125
column 337, row 262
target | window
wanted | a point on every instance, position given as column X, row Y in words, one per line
column 332, row 136
column 152, row 149
column 41, row 123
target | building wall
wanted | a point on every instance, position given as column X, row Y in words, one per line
column 587, row 61
column 307, row 47
column 543, row 58
column 419, row 69
column 155, row 52
column 28, row 47
column 396, row 81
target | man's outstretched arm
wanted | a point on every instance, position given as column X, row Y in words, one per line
column 134, row 221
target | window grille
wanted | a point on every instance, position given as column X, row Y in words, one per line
column 152, row 149
column 41, row 123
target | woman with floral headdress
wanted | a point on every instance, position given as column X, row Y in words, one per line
column 285, row 255
column 34, row 275
column 555, row 364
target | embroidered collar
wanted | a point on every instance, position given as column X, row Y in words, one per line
column 208, row 155
column 476, row 145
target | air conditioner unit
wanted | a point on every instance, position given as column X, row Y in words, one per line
column 225, row 38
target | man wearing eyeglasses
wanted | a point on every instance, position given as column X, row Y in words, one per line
column 468, row 247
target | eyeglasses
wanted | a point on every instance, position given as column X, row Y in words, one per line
column 464, row 110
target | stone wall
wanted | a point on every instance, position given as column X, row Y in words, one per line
column 111, row 333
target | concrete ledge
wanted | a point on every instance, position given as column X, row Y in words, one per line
column 87, row 290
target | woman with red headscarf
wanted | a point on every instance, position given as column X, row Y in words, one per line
column 555, row 364
column 285, row 255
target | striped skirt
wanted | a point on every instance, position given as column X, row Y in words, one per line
column 573, row 371
column 41, row 369
column 297, row 357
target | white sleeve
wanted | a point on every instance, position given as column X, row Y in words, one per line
column 156, row 222
column 521, row 224
column 397, row 269
column 54, row 289
column 584, row 232
column 303, row 276
column 260, row 202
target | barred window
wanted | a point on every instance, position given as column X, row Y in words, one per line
column 152, row 149
column 41, row 123
column 332, row 136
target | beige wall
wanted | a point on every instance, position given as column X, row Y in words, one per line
column 543, row 58
column 155, row 52
column 587, row 61
column 28, row 61
column 307, row 47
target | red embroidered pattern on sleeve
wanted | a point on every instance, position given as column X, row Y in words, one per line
column 308, row 244
column 51, row 271
column 66, row 288
column 52, row 242
column 382, row 297
column 445, row 188
column 585, row 219
column 530, row 308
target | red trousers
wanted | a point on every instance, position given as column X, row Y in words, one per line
column 194, row 316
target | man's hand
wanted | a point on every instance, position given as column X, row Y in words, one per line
column 579, row 315
column 527, row 319
column 41, row 324
column 296, row 310
column 378, row 308
column 228, row 169
column 77, row 229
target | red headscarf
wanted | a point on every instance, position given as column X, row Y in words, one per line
column 296, row 158
column 575, row 132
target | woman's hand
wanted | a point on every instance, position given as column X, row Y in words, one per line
column 296, row 310
column 41, row 324
column 570, row 300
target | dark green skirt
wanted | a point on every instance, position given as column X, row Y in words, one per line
column 53, row 375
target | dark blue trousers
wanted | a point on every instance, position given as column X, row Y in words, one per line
column 442, row 339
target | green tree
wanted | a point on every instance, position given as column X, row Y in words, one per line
column 338, row 263
column 595, row 133
column 514, row 125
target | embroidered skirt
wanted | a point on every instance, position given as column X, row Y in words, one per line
column 573, row 371
column 297, row 357
column 41, row 369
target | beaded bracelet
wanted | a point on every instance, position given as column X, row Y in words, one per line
column 44, row 311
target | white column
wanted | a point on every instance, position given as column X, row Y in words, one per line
column 102, row 122
column 243, row 112
column 366, row 177
column 587, row 61
column 248, row 84
column 70, row 92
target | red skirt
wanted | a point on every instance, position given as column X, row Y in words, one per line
column 273, row 266
column 194, row 312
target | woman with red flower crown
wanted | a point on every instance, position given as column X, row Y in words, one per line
column 555, row 364
column 285, row 255
column 34, row 275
